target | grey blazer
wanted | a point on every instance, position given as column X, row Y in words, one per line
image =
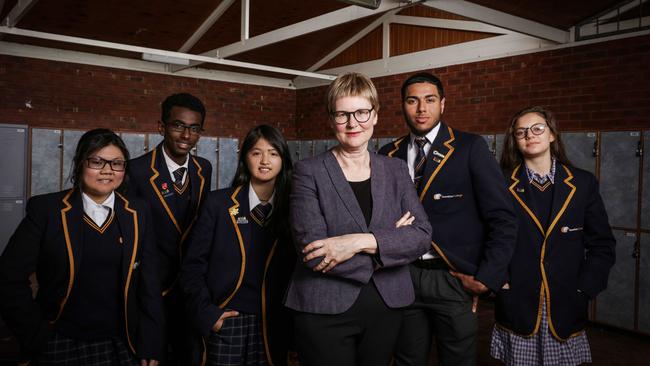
column 323, row 205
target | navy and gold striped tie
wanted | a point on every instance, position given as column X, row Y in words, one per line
column 420, row 159
column 261, row 213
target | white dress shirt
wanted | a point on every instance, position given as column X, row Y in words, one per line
column 98, row 212
column 172, row 166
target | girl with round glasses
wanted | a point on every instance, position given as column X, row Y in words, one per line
column 564, row 251
column 92, row 250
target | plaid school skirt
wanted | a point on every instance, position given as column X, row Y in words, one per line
column 61, row 350
column 540, row 349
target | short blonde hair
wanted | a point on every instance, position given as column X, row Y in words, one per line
column 352, row 84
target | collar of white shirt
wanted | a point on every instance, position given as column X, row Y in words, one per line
column 253, row 200
column 172, row 166
column 412, row 151
column 98, row 212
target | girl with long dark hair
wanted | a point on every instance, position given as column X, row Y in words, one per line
column 239, row 258
column 564, row 251
column 92, row 249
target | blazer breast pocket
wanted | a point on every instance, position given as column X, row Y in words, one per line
column 447, row 202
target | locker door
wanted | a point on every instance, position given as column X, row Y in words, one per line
column 134, row 143
column 46, row 161
column 13, row 161
column 294, row 149
column 320, row 146
column 372, row 145
column 153, row 140
column 227, row 161
column 306, row 149
column 619, row 177
column 383, row 141
column 207, row 148
column 498, row 146
column 615, row 305
column 490, row 140
column 12, row 211
column 70, row 140
column 644, row 284
column 645, row 199
column 579, row 149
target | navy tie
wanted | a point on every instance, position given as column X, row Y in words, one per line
column 178, row 177
column 261, row 213
column 420, row 159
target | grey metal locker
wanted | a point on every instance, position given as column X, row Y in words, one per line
column 372, row 145
column 490, row 140
column 320, row 146
column 306, row 149
column 13, row 161
column 70, row 140
column 153, row 140
column 383, row 141
column 46, row 161
column 294, row 149
column 644, row 284
column 645, row 200
column 498, row 145
column 12, row 211
column 579, row 147
column 615, row 305
column 619, row 176
column 207, row 148
column 227, row 161
column 134, row 143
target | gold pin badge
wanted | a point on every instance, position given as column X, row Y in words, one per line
column 520, row 190
column 234, row 211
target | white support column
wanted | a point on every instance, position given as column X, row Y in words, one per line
column 245, row 19
column 18, row 12
column 207, row 24
column 500, row 19
column 385, row 41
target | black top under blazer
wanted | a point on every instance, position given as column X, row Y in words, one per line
column 323, row 205
column 149, row 178
column 568, row 262
column 48, row 241
column 215, row 264
column 464, row 194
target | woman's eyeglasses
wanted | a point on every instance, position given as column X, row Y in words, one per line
column 97, row 163
column 360, row 115
column 536, row 129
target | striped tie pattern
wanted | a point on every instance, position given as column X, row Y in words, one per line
column 420, row 159
column 261, row 213
column 178, row 177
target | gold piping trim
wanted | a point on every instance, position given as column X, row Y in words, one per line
column 104, row 226
column 184, row 187
column 442, row 254
column 128, row 276
column 199, row 169
column 264, row 326
column 155, row 189
column 396, row 144
column 231, row 212
column 68, row 245
column 521, row 202
column 444, row 160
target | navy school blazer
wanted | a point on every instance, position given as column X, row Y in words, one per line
column 323, row 205
column 464, row 194
column 568, row 262
column 215, row 264
column 48, row 241
column 149, row 179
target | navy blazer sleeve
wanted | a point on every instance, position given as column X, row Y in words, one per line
column 19, row 310
column 198, row 303
column 599, row 244
column 497, row 212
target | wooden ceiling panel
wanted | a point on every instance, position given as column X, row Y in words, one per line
column 429, row 12
column 408, row 38
column 367, row 48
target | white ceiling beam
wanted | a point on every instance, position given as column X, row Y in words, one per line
column 84, row 58
column 464, row 25
column 500, row 19
column 18, row 12
column 369, row 28
column 207, row 24
column 320, row 22
column 385, row 41
column 245, row 19
column 154, row 51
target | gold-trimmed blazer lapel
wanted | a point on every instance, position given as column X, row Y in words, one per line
column 400, row 148
column 562, row 195
column 520, row 192
column 72, row 222
column 159, row 177
column 441, row 150
column 197, row 191
column 238, row 210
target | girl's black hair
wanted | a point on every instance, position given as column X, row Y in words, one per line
column 279, row 220
column 89, row 143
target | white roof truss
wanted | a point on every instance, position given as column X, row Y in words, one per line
column 245, row 19
column 17, row 12
column 206, row 25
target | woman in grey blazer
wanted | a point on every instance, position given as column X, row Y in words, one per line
column 357, row 223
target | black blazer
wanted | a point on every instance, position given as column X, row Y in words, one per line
column 464, row 194
column 149, row 179
column 569, row 261
column 48, row 241
column 215, row 264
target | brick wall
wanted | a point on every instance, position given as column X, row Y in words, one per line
column 602, row 86
column 68, row 95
